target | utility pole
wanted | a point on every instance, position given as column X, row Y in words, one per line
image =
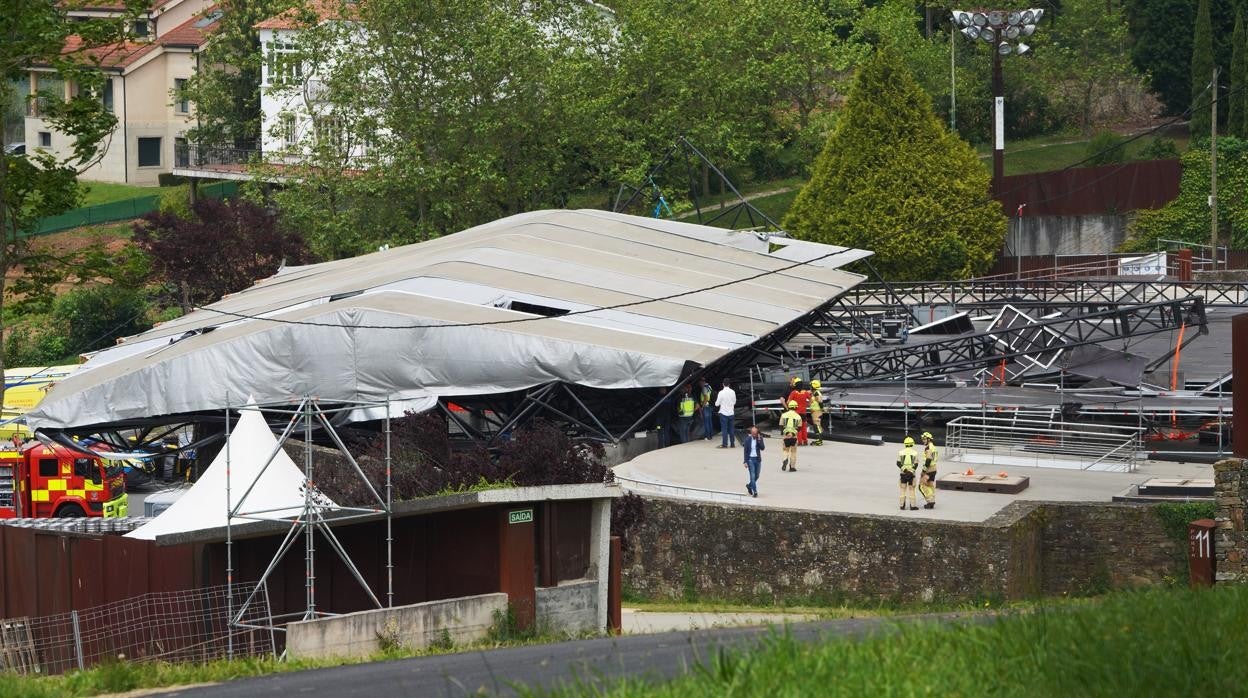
column 1213, row 167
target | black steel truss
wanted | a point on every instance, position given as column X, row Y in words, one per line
column 1036, row 340
column 1055, row 294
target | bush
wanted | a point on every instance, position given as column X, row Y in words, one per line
column 93, row 318
column 176, row 201
column 1106, row 148
column 1160, row 149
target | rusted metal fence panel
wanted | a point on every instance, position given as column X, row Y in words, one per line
column 1081, row 191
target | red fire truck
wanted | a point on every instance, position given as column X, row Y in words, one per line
column 42, row 481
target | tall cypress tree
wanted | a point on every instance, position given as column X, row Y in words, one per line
column 1237, row 109
column 893, row 179
column 1202, row 72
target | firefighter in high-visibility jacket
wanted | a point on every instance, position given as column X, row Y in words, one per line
column 927, row 481
column 790, row 423
column 908, row 464
column 816, row 411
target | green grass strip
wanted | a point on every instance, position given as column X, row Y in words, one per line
column 1150, row 643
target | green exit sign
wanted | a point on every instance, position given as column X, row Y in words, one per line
column 522, row 516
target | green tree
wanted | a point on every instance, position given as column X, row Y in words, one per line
column 432, row 117
column 894, row 180
column 1202, row 72
column 1237, row 109
column 1083, row 66
column 1161, row 47
column 42, row 183
column 226, row 86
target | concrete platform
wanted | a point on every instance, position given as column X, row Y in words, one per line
column 859, row 479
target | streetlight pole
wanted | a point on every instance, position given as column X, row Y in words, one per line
column 1003, row 30
column 998, row 124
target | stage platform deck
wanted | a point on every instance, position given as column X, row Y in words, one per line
column 861, row 479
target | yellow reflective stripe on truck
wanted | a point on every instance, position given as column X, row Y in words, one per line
column 92, row 487
column 39, row 496
column 57, row 484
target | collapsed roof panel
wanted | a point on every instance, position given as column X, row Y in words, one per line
column 421, row 322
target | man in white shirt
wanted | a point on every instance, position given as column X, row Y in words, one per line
column 726, row 406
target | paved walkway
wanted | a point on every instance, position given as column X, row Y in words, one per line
column 858, row 479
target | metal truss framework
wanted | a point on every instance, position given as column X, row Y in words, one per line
column 1055, row 294
column 308, row 416
column 1042, row 338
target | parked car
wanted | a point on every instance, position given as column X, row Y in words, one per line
column 15, row 149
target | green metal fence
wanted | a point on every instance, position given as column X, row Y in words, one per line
column 122, row 210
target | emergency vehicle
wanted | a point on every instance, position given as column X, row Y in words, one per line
column 42, row 481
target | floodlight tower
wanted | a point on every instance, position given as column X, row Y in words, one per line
column 1004, row 31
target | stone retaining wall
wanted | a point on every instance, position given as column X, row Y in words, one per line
column 769, row 555
column 1231, row 538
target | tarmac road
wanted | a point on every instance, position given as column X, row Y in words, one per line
column 495, row 672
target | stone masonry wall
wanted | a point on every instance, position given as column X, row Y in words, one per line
column 1231, row 538
column 755, row 554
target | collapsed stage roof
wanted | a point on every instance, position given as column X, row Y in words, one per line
column 412, row 323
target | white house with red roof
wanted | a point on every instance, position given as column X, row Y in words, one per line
column 145, row 74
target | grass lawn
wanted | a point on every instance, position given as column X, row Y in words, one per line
column 95, row 193
column 1055, row 152
column 1164, row 642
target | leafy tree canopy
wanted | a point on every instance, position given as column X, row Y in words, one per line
column 894, row 180
column 224, row 247
column 36, row 34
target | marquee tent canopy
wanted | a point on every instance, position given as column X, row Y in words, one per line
column 589, row 298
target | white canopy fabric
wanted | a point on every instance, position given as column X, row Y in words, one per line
column 419, row 322
column 278, row 493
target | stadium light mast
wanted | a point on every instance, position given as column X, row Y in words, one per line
column 1004, row 30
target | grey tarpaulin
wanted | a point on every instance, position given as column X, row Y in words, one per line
column 525, row 266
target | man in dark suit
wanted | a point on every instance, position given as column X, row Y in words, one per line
column 753, row 443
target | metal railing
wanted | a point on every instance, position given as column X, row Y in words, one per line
column 1002, row 441
column 213, row 158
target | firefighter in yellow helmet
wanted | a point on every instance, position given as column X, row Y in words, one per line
column 790, row 423
column 927, row 481
column 908, row 464
column 816, row 411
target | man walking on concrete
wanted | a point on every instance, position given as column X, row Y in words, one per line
column 706, row 409
column 685, row 407
column 726, row 405
column 753, row 443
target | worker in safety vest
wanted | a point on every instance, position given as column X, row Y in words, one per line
column 707, row 410
column 685, row 407
column 816, row 411
column 908, row 464
column 801, row 396
column 927, row 481
column 790, row 423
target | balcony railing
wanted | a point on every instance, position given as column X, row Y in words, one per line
column 214, row 158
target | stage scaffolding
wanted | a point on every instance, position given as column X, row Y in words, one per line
column 318, row 512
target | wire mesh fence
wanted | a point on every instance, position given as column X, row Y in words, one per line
column 121, row 210
column 179, row 626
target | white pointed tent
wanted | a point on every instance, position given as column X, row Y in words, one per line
column 278, row 492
